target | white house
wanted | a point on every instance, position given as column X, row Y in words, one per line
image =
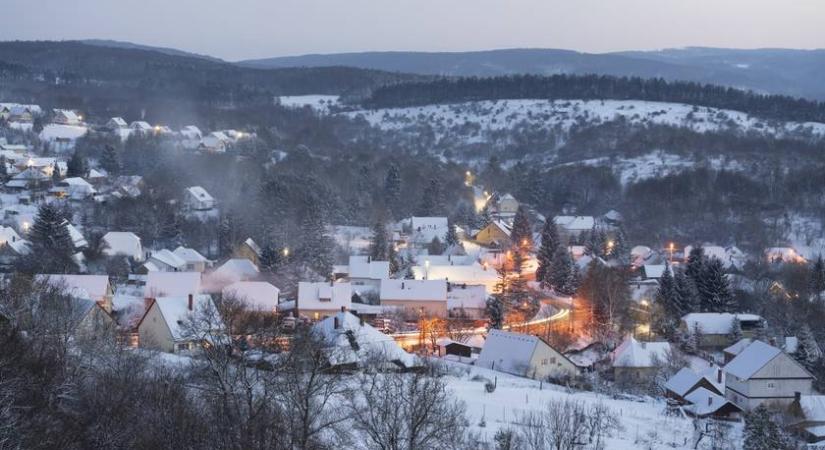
column 807, row 417
column 468, row 301
column 175, row 324
column 634, row 360
column 524, row 355
column 362, row 272
column 75, row 188
column 257, row 295
column 93, row 287
column 715, row 328
column 424, row 229
column 164, row 261
column 353, row 342
column 195, row 262
column 66, row 117
column 419, row 297
column 215, row 142
column 572, row 226
column 116, row 123
column 123, row 243
column 458, row 274
column 140, row 126
column 233, row 270
column 321, row 300
column 198, row 199
column 765, row 374
column 172, row 284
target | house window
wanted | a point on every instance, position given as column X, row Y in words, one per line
column 553, row 360
column 771, row 385
column 543, row 362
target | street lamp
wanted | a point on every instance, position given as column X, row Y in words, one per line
column 286, row 251
column 671, row 247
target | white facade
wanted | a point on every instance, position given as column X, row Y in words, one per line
column 764, row 374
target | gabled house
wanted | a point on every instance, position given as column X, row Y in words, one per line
column 571, row 227
column 703, row 402
column 416, row 297
column 197, row 199
column 320, row 300
column 351, row 342
column 473, row 274
column 215, row 142
column 250, row 250
column 765, row 374
column 179, row 324
column 495, row 234
column 233, row 270
column 195, row 262
column 507, row 205
column 92, row 287
column 424, row 229
column 123, row 243
column 807, row 417
column 164, row 261
column 524, row 355
column 686, row 381
column 466, row 301
column 116, row 123
column 363, row 272
column 635, row 361
column 73, row 188
column 140, row 126
column 256, row 295
column 715, row 328
column 172, row 284
column 66, row 117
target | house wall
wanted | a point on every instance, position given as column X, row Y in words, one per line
column 428, row 307
column 775, row 384
column 469, row 313
column 154, row 333
column 318, row 314
column 492, row 234
column 243, row 251
column 547, row 362
column 97, row 323
column 633, row 374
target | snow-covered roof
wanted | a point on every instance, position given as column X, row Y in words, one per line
column 683, row 381
column 508, row 352
column 191, row 132
column 53, row 132
column 716, row 323
column 189, row 255
column 200, row 194
column 362, row 267
column 470, row 274
column 704, row 402
column 172, row 284
column 444, row 260
column 414, row 290
column 77, row 237
column 140, row 125
column 176, row 313
column 737, row 347
column 236, row 269
column 425, row 229
column 96, row 286
column 575, row 223
column 253, row 245
column 324, row 296
column 258, row 295
column 169, row 258
column 791, row 344
column 783, row 254
column 353, row 342
column 813, row 407
column 69, row 114
column 467, row 296
column 123, row 243
column 635, row 354
column 655, row 271
column 751, row 359
column 118, row 121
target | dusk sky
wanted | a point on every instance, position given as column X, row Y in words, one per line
column 241, row 29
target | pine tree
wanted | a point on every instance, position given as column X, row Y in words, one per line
column 735, row 330
column 686, row 292
column 4, row 169
column 110, row 161
column 52, row 247
column 485, row 217
column 435, row 247
column 807, row 351
column 713, row 287
column 76, row 166
column 380, row 242
column 549, row 246
column 594, row 244
column 667, row 295
column 392, row 188
column 695, row 263
column 816, row 278
column 451, row 237
column 620, row 251
column 316, row 246
column 762, row 432
column 495, row 312
column 561, row 273
column 522, row 233
column 432, row 202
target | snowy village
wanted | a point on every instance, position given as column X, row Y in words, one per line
column 355, row 246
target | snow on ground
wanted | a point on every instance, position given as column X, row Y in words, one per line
column 655, row 164
column 473, row 120
column 322, row 103
column 644, row 423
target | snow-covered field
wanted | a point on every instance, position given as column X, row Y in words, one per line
column 644, row 424
column 563, row 114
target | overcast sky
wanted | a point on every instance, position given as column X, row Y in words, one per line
column 241, row 29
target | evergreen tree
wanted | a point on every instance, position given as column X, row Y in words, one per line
column 735, row 330
column 522, row 233
column 485, row 217
column 686, row 292
column 713, row 288
column 316, row 246
column 816, row 278
column 549, row 246
column 110, row 161
column 561, row 272
column 451, row 238
column 807, row 351
column 76, row 166
column 4, row 169
column 392, row 188
column 620, row 251
column 270, row 256
column 695, row 263
column 380, row 242
column 667, row 295
column 594, row 244
column 52, row 247
column 435, row 247
column 432, row 202
column 762, row 432
column 495, row 312
column 518, row 294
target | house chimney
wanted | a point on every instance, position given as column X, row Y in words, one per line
column 797, row 396
column 343, row 309
column 191, row 301
column 710, row 401
column 361, row 320
column 402, row 285
column 719, row 375
column 369, row 258
column 335, row 323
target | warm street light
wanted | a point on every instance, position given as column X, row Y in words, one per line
column 671, row 246
column 286, row 251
